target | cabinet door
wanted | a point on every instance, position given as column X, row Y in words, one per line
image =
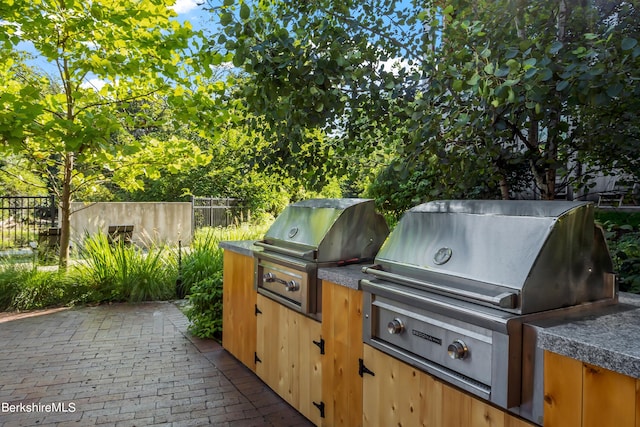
column 310, row 372
column 397, row 394
column 238, row 310
column 289, row 361
column 578, row 394
column 400, row 395
column 342, row 331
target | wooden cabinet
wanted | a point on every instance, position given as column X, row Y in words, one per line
column 578, row 394
column 288, row 345
column 342, row 332
column 289, row 358
column 400, row 395
column 238, row 311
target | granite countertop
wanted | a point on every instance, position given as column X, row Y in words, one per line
column 609, row 339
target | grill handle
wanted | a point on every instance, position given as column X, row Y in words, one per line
column 310, row 254
column 290, row 286
column 502, row 300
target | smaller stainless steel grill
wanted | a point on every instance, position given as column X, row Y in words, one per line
column 455, row 283
column 313, row 233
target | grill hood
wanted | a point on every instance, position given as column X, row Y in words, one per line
column 328, row 230
column 519, row 256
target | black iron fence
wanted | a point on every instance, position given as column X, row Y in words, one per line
column 217, row 212
column 24, row 218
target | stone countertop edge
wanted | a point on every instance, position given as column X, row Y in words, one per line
column 348, row 275
column 609, row 341
column 242, row 247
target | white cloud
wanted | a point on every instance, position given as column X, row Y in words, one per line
column 186, row 6
column 96, row 84
column 394, row 64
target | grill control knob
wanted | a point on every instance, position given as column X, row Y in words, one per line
column 458, row 350
column 395, row 326
column 292, row 286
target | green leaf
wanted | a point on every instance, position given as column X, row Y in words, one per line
column 628, row 43
column 555, row 47
column 530, row 73
column 614, row 90
column 238, row 59
column 244, row 11
column 562, row 85
column 489, row 68
column 226, row 18
column 545, row 74
column 473, row 80
column 511, row 53
column 502, row 72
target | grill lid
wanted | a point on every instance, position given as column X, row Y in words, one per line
column 523, row 256
column 328, row 230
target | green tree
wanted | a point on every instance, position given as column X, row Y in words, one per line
column 109, row 61
column 485, row 94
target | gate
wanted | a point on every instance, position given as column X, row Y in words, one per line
column 217, row 212
column 23, row 218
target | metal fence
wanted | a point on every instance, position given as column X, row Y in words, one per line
column 24, row 218
column 217, row 212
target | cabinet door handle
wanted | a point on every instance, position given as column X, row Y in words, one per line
column 363, row 369
column 320, row 407
column 320, row 345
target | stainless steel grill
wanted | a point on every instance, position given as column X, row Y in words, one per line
column 313, row 233
column 456, row 282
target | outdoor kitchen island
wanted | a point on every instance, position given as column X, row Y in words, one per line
column 591, row 369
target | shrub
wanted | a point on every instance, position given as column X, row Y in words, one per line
column 10, row 278
column 202, row 277
column 41, row 289
column 25, row 288
column 623, row 239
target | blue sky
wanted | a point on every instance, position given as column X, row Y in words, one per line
column 187, row 10
column 193, row 11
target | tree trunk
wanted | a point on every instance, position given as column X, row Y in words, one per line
column 504, row 188
column 65, row 208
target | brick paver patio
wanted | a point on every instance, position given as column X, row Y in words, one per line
column 126, row 365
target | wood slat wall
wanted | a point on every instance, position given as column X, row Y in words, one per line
column 582, row 395
column 238, row 310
